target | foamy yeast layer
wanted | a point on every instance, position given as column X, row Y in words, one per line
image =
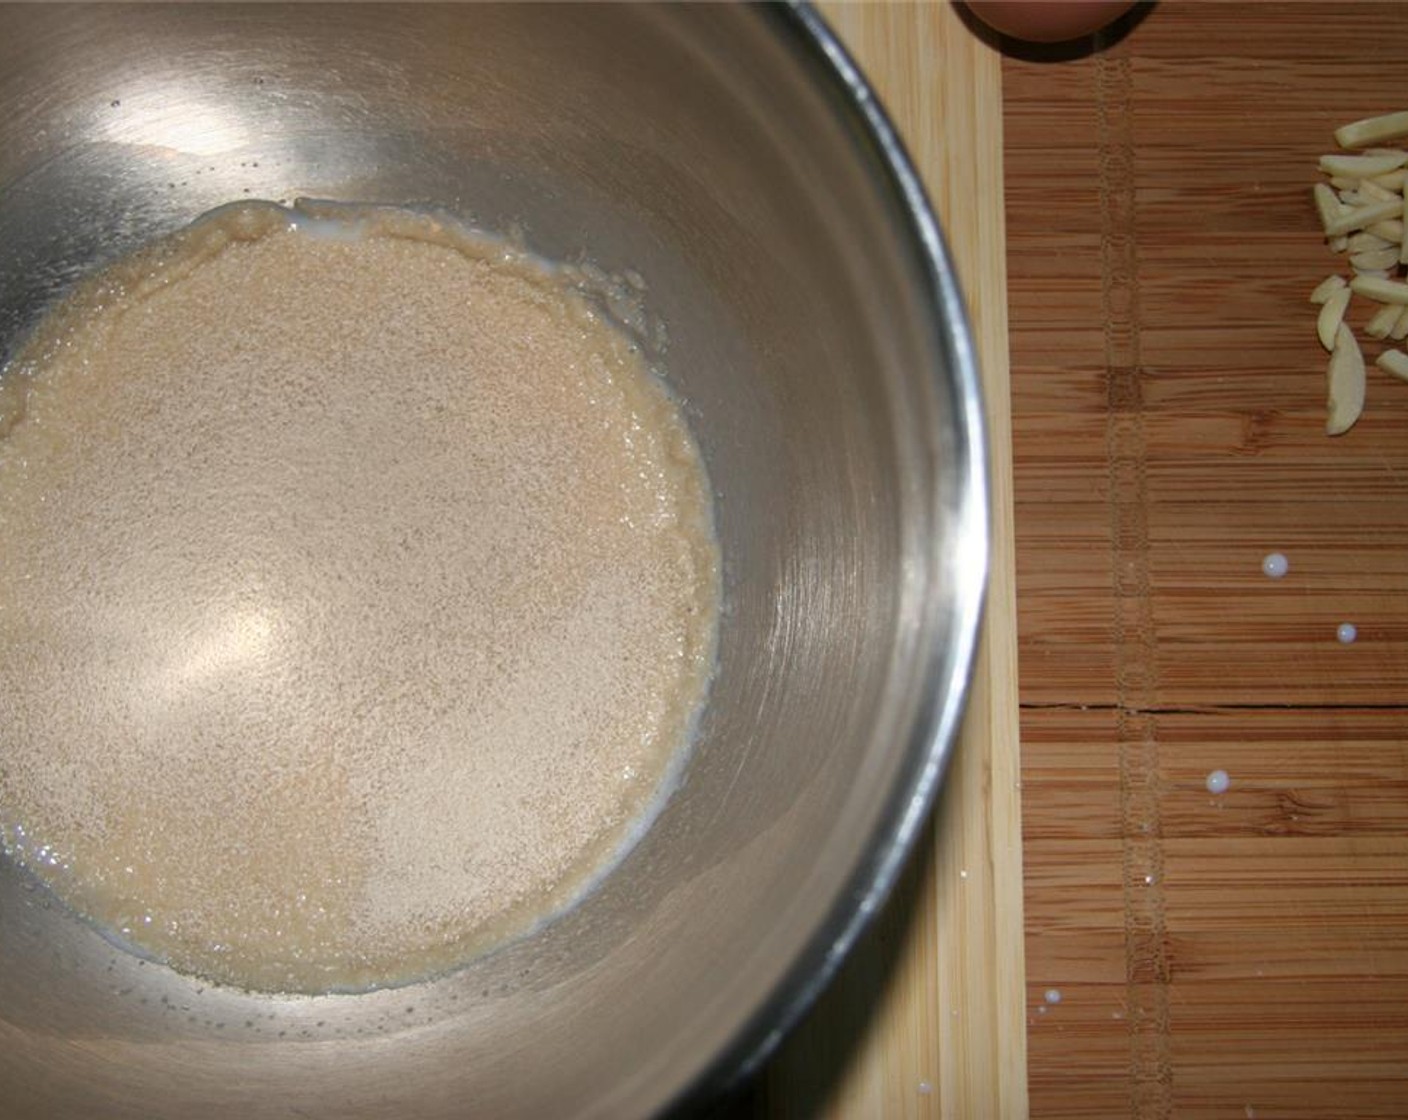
column 355, row 595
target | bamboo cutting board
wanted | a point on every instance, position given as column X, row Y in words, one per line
column 926, row 1017
column 1242, row 955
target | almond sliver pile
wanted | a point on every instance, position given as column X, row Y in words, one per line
column 1363, row 209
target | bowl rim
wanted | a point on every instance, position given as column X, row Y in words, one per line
column 930, row 749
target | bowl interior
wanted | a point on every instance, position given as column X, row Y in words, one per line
column 821, row 364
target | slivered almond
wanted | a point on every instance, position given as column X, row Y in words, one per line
column 1394, row 362
column 1327, row 205
column 1370, row 191
column 1385, row 291
column 1383, row 321
column 1344, row 399
column 1400, row 329
column 1331, row 318
column 1403, row 244
column 1373, row 130
column 1327, row 287
column 1364, row 241
column 1364, row 166
column 1390, row 230
column 1361, row 216
column 1392, row 180
column 1374, row 260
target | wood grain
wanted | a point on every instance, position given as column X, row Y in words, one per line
column 926, row 1018
column 1244, row 955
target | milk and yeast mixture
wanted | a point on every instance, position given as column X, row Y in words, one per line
column 357, row 589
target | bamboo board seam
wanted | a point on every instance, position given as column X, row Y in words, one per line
column 1135, row 641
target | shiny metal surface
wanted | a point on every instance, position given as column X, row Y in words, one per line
column 730, row 156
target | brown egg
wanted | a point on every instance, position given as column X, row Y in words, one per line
column 1048, row 21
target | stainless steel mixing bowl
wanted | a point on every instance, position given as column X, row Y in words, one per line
column 733, row 157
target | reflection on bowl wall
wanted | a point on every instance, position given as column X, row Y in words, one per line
column 816, row 338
